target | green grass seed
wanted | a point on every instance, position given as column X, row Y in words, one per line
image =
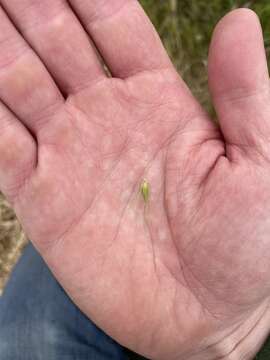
column 145, row 191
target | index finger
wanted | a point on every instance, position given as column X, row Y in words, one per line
column 123, row 34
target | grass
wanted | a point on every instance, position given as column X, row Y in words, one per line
column 185, row 27
column 12, row 241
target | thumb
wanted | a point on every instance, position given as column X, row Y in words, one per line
column 239, row 83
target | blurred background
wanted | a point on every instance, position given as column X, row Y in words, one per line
column 185, row 27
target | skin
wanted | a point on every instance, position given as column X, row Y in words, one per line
column 190, row 281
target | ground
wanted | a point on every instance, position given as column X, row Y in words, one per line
column 185, row 27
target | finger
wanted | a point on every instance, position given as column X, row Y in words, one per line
column 25, row 85
column 123, row 35
column 57, row 36
column 17, row 153
column 239, row 81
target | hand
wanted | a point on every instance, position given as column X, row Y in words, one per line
column 184, row 275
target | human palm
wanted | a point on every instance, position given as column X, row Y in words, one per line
column 184, row 274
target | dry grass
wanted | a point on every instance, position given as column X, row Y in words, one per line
column 12, row 240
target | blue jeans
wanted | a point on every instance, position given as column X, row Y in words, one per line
column 39, row 322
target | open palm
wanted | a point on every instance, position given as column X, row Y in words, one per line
column 184, row 274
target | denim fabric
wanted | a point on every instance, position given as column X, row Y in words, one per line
column 38, row 321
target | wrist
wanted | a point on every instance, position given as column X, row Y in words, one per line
column 242, row 341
